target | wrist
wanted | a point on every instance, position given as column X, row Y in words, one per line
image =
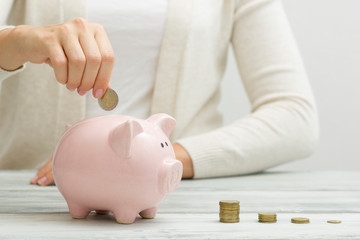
column 183, row 156
column 11, row 57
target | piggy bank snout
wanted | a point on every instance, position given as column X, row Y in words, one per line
column 170, row 175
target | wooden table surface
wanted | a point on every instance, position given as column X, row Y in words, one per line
column 192, row 211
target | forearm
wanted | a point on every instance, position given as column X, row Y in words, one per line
column 278, row 132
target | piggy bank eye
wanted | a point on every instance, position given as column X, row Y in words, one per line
column 166, row 144
column 162, row 145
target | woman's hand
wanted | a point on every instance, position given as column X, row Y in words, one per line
column 183, row 156
column 79, row 52
column 45, row 177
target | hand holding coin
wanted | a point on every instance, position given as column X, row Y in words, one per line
column 109, row 100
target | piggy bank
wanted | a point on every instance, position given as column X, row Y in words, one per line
column 117, row 164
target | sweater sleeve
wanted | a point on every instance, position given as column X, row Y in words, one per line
column 283, row 123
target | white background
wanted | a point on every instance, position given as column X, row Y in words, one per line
column 328, row 36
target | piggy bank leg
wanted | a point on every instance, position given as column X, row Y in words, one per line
column 125, row 216
column 77, row 211
column 148, row 213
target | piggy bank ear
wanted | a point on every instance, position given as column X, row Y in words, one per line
column 122, row 137
column 164, row 121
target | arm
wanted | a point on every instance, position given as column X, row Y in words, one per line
column 283, row 123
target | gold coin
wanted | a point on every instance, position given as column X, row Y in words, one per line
column 229, row 204
column 109, row 100
column 300, row 220
column 229, row 220
column 334, row 221
column 267, row 218
column 236, row 211
column 267, row 215
column 267, row 221
column 229, row 216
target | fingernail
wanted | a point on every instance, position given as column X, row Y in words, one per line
column 82, row 93
column 34, row 179
column 42, row 180
column 99, row 93
column 70, row 89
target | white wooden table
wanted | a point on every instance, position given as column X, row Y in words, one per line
column 191, row 212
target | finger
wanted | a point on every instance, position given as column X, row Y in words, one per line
column 42, row 171
column 76, row 61
column 93, row 61
column 59, row 63
column 34, row 179
column 107, row 62
column 46, row 180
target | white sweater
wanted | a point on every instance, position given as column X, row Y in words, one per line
column 281, row 127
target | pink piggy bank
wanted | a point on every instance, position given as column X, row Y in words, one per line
column 117, row 163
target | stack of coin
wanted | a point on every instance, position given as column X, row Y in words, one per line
column 300, row 220
column 267, row 217
column 229, row 211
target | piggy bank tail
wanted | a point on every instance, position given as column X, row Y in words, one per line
column 170, row 175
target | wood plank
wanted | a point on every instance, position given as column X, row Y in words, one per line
column 176, row 226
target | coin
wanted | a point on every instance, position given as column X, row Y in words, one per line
column 229, row 203
column 229, row 220
column 227, row 211
column 267, row 215
column 334, row 221
column 300, row 220
column 109, row 100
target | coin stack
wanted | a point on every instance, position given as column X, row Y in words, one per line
column 300, row 220
column 229, row 211
column 267, row 217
